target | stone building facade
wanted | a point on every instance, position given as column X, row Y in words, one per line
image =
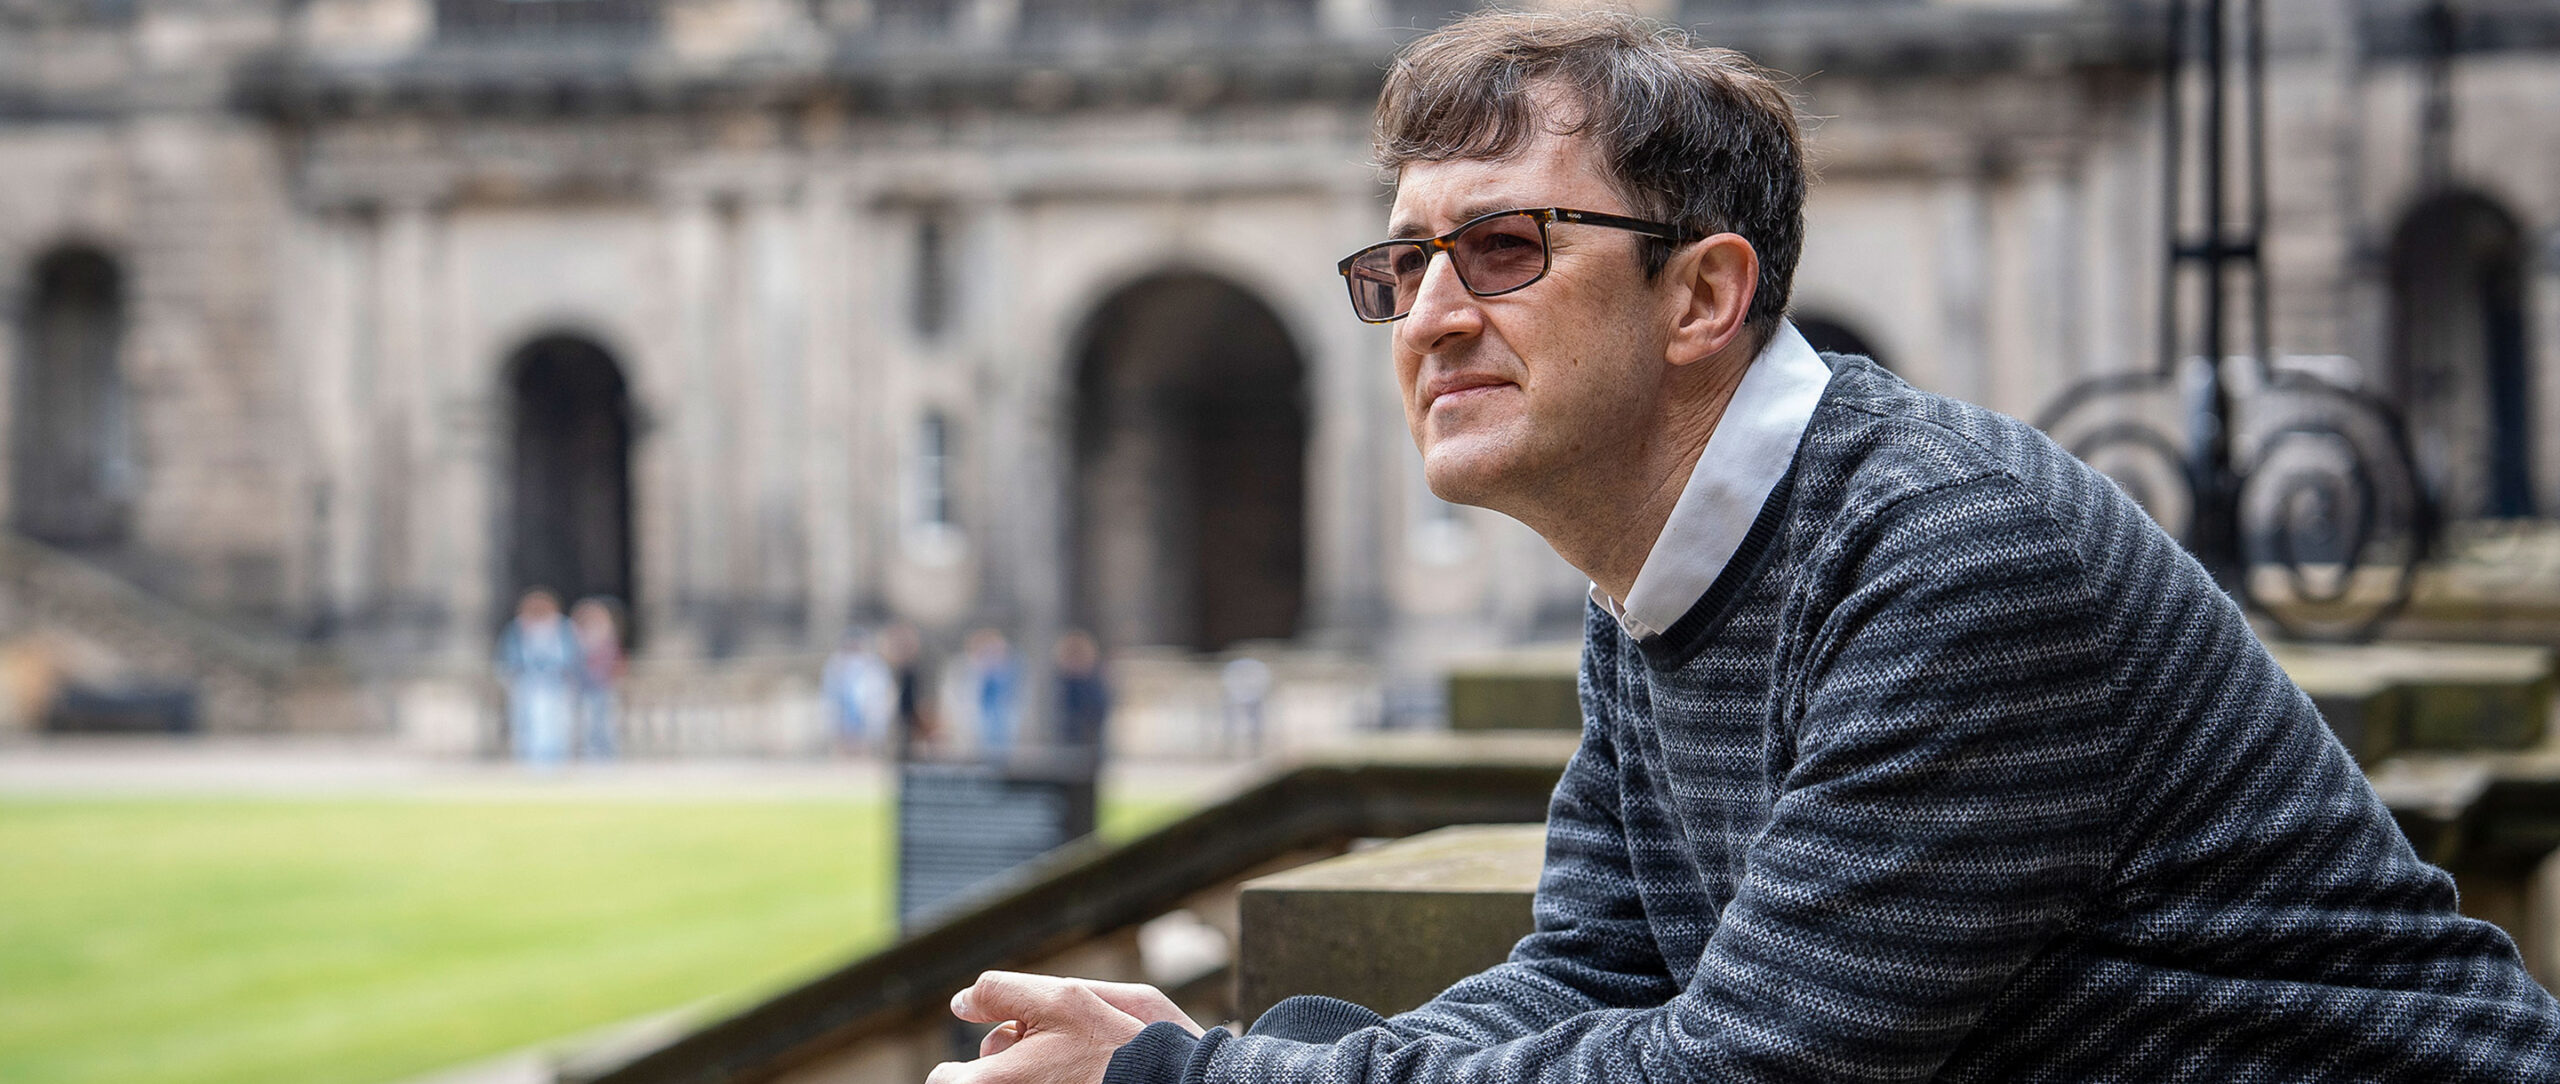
column 342, row 321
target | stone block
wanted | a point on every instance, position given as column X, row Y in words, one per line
column 1390, row 926
column 1530, row 689
column 2395, row 697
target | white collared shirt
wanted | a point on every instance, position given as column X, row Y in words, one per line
column 1745, row 457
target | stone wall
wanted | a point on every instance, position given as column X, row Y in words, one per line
column 343, row 220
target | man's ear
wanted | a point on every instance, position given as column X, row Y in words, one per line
column 1714, row 279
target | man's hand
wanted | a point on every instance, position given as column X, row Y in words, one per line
column 1052, row 1030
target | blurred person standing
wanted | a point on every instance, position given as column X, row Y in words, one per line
column 994, row 687
column 539, row 660
column 1245, row 682
column 861, row 693
column 1084, row 698
column 598, row 626
column 902, row 652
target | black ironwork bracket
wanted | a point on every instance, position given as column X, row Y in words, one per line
column 2302, row 476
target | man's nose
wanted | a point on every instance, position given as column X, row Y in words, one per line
column 1443, row 311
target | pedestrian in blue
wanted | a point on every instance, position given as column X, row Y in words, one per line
column 539, row 660
column 995, row 680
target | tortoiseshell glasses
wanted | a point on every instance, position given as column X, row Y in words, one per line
column 1493, row 255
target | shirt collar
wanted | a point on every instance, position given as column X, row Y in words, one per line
column 1748, row 453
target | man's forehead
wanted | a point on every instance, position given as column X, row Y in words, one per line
column 1550, row 171
column 1429, row 207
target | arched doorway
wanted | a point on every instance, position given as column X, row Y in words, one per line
column 2458, row 353
column 569, row 479
column 1190, row 468
column 74, row 474
column 1832, row 336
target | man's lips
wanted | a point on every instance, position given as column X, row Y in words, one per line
column 1459, row 386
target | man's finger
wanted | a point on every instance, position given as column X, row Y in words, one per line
column 1140, row 1000
column 1003, row 1036
column 950, row 1072
column 1011, row 995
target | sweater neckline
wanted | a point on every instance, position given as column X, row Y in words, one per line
column 1673, row 647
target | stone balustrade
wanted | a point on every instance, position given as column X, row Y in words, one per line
column 2380, row 699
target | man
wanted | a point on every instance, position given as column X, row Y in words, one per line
column 1912, row 749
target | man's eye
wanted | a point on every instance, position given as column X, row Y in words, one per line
column 1502, row 242
column 1408, row 262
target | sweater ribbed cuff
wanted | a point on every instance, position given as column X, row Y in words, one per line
column 1309, row 1018
column 1162, row 1053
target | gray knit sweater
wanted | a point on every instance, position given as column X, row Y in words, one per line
column 1962, row 770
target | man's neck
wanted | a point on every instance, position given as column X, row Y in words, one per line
column 1605, row 520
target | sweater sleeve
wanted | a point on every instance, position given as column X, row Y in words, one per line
column 1590, row 946
column 1947, row 810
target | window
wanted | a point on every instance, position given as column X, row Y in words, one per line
column 932, row 313
column 933, row 532
column 933, row 471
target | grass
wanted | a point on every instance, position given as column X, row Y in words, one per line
column 355, row 941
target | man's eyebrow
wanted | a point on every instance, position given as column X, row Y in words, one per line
column 1468, row 212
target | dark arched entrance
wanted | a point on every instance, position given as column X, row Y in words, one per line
column 2458, row 353
column 569, row 478
column 72, row 481
column 1190, row 468
column 1832, row 336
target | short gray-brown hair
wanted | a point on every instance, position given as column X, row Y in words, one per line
column 1696, row 136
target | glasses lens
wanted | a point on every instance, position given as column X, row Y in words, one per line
column 1498, row 254
column 1384, row 279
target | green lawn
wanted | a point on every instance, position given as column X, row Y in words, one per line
column 352, row 941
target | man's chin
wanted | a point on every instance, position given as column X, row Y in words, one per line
column 1466, row 476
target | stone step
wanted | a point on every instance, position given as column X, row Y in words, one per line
column 1388, row 926
column 70, row 626
column 2381, row 699
column 1530, row 688
column 2401, row 696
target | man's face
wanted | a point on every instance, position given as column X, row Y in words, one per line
column 1511, row 399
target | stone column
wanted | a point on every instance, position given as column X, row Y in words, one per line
column 2542, row 360
column 692, row 432
column 2055, row 346
column 410, row 555
column 655, row 376
column 829, row 491
column 775, row 410
column 339, row 347
column 1350, row 392
column 458, row 437
column 1964, row 267
column 1025, row 433
column 727, row 496
column 869, row 425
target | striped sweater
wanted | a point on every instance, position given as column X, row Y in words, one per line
column 1963, row 770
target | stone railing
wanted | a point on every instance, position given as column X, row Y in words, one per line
column 73, row 625
column 2455, row 738
column 1132, row 911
